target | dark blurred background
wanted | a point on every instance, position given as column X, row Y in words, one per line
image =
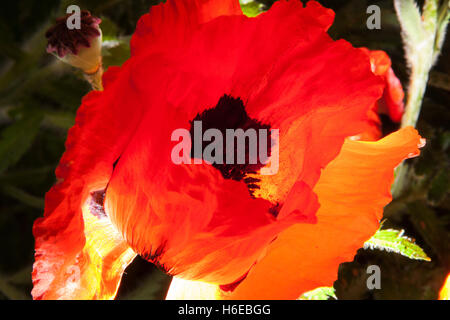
column 39, row 97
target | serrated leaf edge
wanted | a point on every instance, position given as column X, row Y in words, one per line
column 382, row 244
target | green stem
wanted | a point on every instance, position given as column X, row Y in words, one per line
column 416, row 93
column 422, row 46
column 95, row 79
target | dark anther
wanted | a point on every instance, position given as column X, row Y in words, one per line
column 153, row 256
column 275, row 210
column 230, row 113
column 96, row 203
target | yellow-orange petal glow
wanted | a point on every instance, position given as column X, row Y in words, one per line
column 181, row 289
column 444, row 294
column 96, row 271
column 352, row 191
column 108, row 255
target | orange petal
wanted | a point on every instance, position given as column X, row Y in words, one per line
column 392, row 102
column 352, row 191
column 181, row 289
column 372, row 130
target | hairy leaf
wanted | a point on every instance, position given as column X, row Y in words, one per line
column 411, row 22
column 394, row 241
column 322, row 293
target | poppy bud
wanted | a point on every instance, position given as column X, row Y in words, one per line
column 79, row 47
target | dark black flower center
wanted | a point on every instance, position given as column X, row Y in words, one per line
column 229, row 115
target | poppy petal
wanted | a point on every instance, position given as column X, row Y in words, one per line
column 94, row 273
column 444, row 293
column 352, row 191
column 181, row 289
column 288, row 94
column 188, row 219
column 392, row 102
column 63, row 237
column 174, row 21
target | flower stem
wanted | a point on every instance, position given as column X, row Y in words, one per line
column 422, row 36
column 416, row 92
column 95, row 79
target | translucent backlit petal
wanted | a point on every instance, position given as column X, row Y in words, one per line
column 92, row 273
column 392, row 102
column 169, row 24
column 352, row 191
column 181, row 289
column 444, row 294
column 63, row 237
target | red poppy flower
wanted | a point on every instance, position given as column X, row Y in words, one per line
column 120, row 194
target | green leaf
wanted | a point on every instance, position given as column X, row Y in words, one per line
column 115, row 53
column 411, row 22
column 17, row 138
column 60, row 119
column 251, row 8
column 394, row 241
column 23, row 196
column 429, row 16
column 321, row 293
column 110, row 30
column 442, row 22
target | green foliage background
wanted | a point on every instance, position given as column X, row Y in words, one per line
column 39, row 97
